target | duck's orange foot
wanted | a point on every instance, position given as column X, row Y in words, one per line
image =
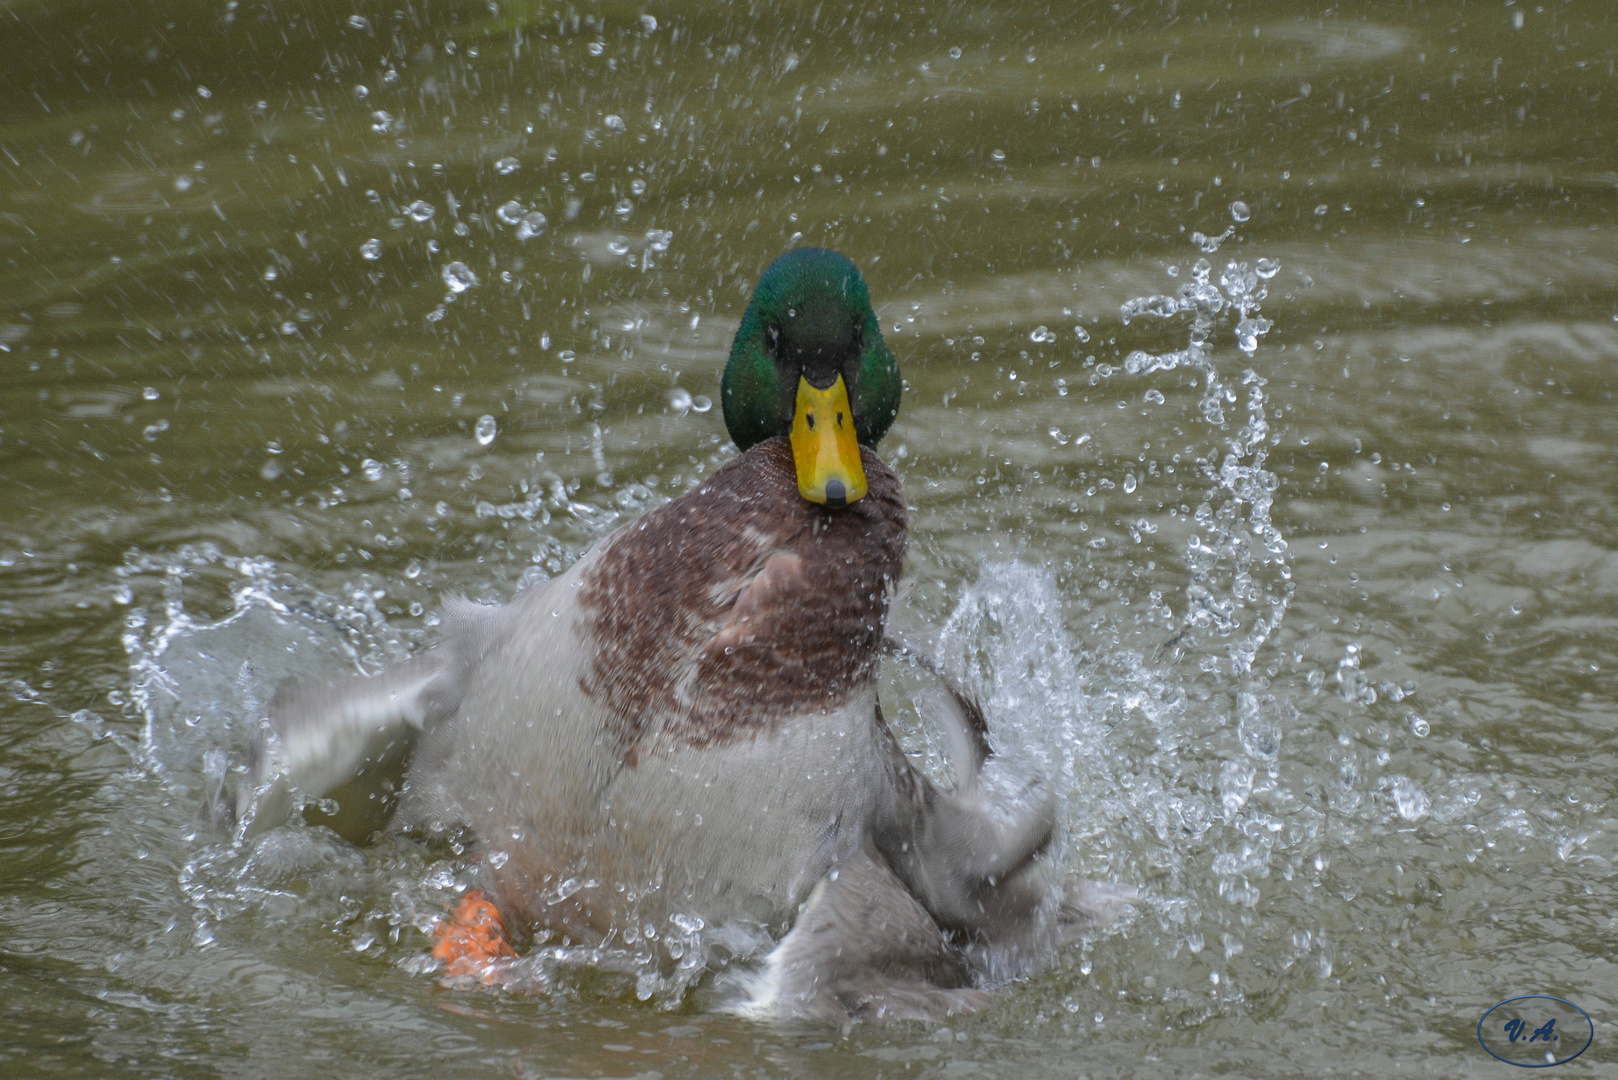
column 471, row 938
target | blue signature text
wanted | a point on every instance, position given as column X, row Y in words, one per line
column 1516, row 1028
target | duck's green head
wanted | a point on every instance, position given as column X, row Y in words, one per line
column 809, row 363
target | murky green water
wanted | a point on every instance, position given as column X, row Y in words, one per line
column 1318, row 640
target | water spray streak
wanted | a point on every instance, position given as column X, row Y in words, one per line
column 1238, row 564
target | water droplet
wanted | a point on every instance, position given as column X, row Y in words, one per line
column 485, row 430
column 362, row 91
column 623, row 208
column 1041, row 334
column 614, row 122
column 954, row 52
column 1154, row 396
column 1320, row 211
column 1129, row 483
column 1419, row 727
column 510, row 213
column 359, row 22
column 637, row 186
column 648, row 23
column 459, row 277
column 497, row 859
column 381, row 120
column 420, row 210
column 596, row 48
column 533, row 223
column 270, row 273
column 372, row 249
column 701, row 403
column 1266, row 268
column 270, row 469
column 507, row 165
column 658, row 239
column 150, row 393
column 182, row 183
column 151, row 431
column 371, row 469
column 1239, row 211
column 998, row 155
column 1248, row 331
column 680, row 400
column 1411, row 800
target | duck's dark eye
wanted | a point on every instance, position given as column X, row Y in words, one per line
column 859, row 337
column 771, row 337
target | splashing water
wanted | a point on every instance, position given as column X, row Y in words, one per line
column 1166, row 759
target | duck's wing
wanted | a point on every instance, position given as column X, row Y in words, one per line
column 865, row 949
column 967, row 729
column 341, row 745
column 975, row 857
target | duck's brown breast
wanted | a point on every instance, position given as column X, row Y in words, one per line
column 739, row 604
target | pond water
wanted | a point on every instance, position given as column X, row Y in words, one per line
column 1259, row 436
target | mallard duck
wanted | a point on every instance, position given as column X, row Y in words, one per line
column 685, row 723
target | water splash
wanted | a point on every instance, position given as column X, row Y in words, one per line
column 1167, row 755
column 1240, row 579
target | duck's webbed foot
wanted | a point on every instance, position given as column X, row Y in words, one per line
column 471, row 939
column 864, row 948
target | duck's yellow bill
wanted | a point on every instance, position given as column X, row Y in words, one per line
column 824, row 447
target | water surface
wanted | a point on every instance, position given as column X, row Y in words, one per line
column 313, row 315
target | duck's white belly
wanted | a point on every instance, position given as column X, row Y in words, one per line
column 746, row 830
column 576, row 840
